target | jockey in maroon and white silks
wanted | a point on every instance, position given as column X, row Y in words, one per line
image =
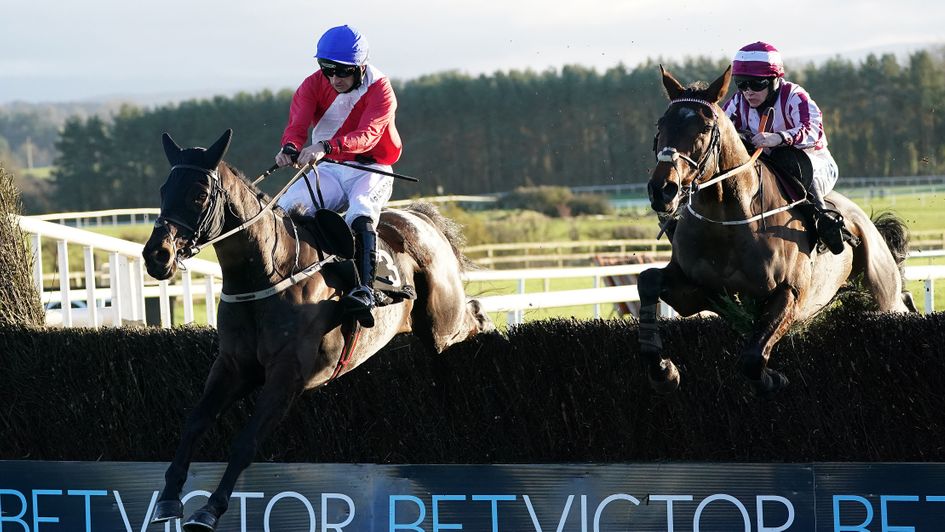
column 796, row 131
column 799, row 123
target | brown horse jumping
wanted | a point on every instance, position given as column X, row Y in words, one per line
column 291, row 340
column 736, row 238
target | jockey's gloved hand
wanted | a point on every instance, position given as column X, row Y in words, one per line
column 287, row 155
column 291, row 151
column 767, row 140
column 311, row 153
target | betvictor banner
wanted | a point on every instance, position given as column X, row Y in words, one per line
column 676, row 497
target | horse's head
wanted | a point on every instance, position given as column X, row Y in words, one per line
column 192, row 205
column 687, row 142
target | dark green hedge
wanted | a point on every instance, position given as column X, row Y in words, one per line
column 865, row 387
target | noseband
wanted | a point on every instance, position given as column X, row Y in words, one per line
column 671, row 155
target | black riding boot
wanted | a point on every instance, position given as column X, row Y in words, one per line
column 828, row 222
column 359, row 302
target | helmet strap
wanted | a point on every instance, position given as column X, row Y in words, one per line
column 358, row 78
column 773, row 90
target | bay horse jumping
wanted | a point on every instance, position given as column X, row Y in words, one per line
column 280, row 336
column 738, row 237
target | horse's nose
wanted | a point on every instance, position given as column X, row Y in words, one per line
column 158, row 259
column 662, row 193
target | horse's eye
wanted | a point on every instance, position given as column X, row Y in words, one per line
column 201, row 196
column 707, row 128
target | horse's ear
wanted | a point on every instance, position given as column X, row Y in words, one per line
column 171, row 149
column 673, row 87
column 216, row 152
column 719, row 88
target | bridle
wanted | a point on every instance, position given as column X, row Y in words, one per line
column 209, row 223
column 671, row 155
column 210, row 226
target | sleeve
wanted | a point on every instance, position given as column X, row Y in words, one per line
column 380, row 105
column 806, row 121
column 304, row 104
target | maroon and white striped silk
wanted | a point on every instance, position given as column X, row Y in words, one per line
column 795, row 114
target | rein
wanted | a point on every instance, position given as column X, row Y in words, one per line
column 669, row 154
column 255, row 218
column 218, row 193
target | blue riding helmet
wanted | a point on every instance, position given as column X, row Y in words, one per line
column 343, row 44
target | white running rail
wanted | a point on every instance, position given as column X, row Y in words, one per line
column 119, row 297
column 515, row 304
column 119, row 293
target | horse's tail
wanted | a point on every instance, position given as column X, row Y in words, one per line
column 893, row 230
column 450, row 229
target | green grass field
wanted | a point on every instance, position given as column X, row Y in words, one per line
column 922, row 212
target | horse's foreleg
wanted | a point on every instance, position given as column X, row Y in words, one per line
column 776, row 318
column 283, row 385
column 674, row 287
column 225, row 385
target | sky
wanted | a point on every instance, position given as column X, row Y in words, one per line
column 60, row 51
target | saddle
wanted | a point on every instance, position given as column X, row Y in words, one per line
column 794, row 175
column 792, row 169
column 333, row 236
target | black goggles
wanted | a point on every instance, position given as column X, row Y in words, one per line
column 335, row 70
column 755, row 84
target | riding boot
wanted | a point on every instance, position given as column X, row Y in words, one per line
column 828, row 222
column 359, row 302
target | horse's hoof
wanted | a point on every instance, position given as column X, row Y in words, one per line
column 668, row 380
column 770, row 383
column 201, row 521
column 167, row 510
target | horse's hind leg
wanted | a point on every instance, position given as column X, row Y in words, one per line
column 225, row 385
column 777, row 317
column 283, row 385
column 441, row 316
column 673, row 287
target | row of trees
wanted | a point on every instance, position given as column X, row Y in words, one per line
column 465, row 134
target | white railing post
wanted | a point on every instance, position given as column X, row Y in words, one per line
column 137, row 288
column 666, row 311
column 165, row 305
column 211, row 303
column 63, row 258
column 520, row 314
column 188, row 297
column 929, row 296
column 125, row 281
column 115, row 280
column 90, row 286
column 597, row 305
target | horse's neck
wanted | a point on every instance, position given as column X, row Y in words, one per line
column 253, row 256
column 730, row 198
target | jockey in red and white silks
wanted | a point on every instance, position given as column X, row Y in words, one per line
column 799, row 123
column 358, row 125
column 351, row 105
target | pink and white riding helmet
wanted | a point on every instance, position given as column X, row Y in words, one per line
column 758, row 59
